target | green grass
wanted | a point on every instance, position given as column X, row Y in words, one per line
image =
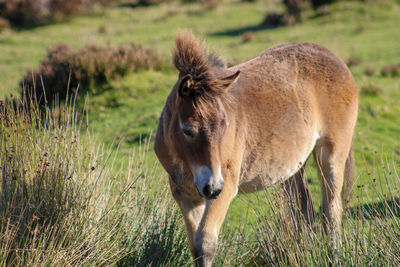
column 61, row 205
column 138, row 105
column 127, row 112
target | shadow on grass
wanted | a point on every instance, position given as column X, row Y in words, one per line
column 270, row 22
column 239, row 31
column 383, row 209
column 132, row 5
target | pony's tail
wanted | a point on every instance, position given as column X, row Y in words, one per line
column 348, row 183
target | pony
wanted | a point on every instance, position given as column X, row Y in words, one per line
column 225, row 131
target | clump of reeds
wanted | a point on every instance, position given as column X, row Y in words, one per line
column 61, row 203
column 370, row 232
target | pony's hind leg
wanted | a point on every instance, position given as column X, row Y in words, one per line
column 298, row 192
column 331, row 158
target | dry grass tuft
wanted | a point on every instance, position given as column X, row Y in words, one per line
column 61, row 203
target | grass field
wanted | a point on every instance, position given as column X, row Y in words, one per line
column 126, row 113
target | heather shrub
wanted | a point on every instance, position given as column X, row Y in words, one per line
column 295, row 7
column 88, row 68
column 207, row 4
column 151, row 2
column 28, row 13
column 24, row 12
column 210, row 4
column 294, row 11
column 391, row 70
column 4, row 24
column 276, row 20
column 318, row 3
column 371, row 89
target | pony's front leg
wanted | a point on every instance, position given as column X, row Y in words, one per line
column 206, row 237
column 192, row 208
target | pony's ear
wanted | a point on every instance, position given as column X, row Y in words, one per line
column 186, row 86
column 228, row 81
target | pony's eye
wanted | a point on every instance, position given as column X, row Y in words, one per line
column 188, row 132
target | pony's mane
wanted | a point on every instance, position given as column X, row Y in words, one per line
column 191, row 57
column 216, row 60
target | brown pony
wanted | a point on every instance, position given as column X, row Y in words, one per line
column 225, row 131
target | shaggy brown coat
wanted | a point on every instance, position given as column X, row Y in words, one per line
column 252, row 126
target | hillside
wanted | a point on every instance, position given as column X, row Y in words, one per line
column 363, row 33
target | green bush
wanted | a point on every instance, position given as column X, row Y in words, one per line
column 87, row 68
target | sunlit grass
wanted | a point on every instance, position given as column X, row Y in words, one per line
column 106, row 216
column 61, row 204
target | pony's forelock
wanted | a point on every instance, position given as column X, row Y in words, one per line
column 191, row 57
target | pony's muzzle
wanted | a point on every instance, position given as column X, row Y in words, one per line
column 211, row 193
column 208, row 185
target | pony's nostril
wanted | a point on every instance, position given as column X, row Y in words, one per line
column 216, row 193
column 207, row 190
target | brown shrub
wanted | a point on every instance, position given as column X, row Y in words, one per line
column 28, row 13
column 323, row 10
column 89, row 67
column 295, row 8
column 276, row 20
column 67, row 8
column 23, row 12
column 211, row 4
column 391, row 70
column 359, row 29
column 147, row 2
column 371, row 89
column 352, row 61
column 247, row 37
column 369, row 72
column 318, row 3
column 151, row 2
column 4, row 24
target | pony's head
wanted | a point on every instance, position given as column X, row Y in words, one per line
column 200, row 118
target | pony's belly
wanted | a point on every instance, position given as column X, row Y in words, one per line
column 267, row 169
column 268, row 177
column 253, row 185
